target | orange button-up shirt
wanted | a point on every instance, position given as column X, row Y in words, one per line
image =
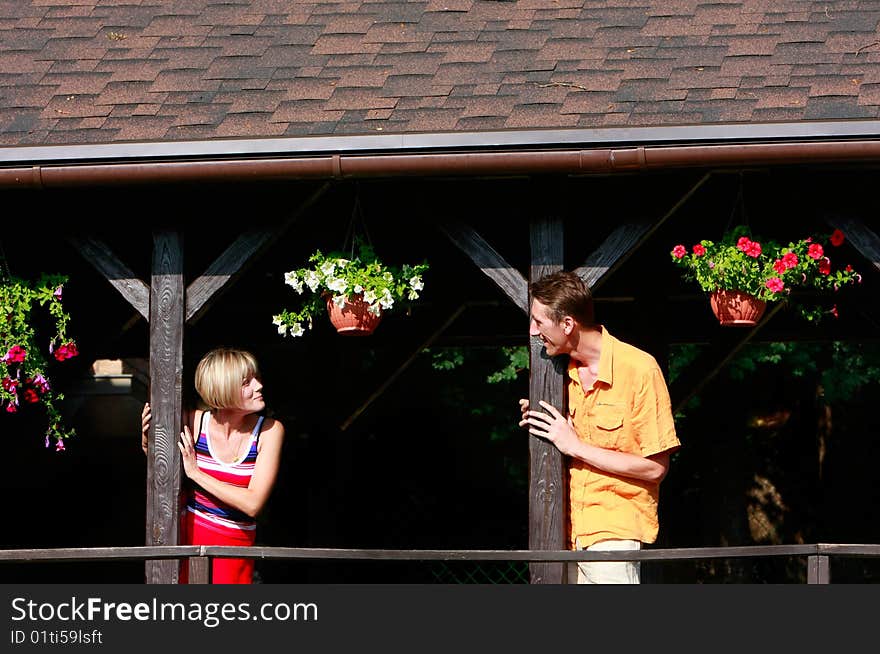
column 626, row 409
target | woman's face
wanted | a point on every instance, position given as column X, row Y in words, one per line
column 252, row 395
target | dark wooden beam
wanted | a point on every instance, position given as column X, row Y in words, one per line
column 135, row 291
column 166, row 373
column 712, row 360
column 493, row 265
column 548, row 497
column 626, row 240
column 237, row 258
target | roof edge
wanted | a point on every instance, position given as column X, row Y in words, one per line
column 427, row 142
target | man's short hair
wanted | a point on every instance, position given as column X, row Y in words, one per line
column 564, row 294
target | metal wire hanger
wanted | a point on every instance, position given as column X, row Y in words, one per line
column 356, row 226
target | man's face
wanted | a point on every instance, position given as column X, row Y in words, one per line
column 554, row 335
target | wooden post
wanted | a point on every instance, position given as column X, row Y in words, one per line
column 548, row 496
column 818, row 570
column 167, row 305
column 200, row 569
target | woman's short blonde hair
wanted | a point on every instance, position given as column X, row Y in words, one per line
column 221, row 374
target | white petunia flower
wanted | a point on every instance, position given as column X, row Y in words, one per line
column 278, row 321
column 297, row 329
column 337, row 284
column 327, row 268
column 416, row 283
column 375, row 309
column 387, row 301
column 369, row 297
column 358, row 288
column 312, row 281
column 339, row 300
column 293, row 280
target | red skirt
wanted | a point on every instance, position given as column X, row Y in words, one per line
column 195, row 531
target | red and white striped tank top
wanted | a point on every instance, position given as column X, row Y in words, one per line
column 207, row 508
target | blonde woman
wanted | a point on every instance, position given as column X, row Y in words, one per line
column 231, row 455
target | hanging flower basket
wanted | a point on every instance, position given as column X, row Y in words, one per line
column 24, row 367
column 735, row 308
column 742, row 275
column 354, row 317
column 356, row 289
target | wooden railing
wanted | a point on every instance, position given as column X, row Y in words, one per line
column 817, row 556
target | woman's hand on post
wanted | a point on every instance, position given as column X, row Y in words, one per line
column 188, row 452
column 145, row 427
column 524, row 409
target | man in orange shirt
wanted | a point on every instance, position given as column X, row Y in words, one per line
column 619, row 431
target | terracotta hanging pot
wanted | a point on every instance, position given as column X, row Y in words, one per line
column 353, row 318
column 735, row 308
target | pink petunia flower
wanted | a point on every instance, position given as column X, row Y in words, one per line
column 825, row 266
column 779, row 266
column 66, row 351
column 16, row 354
column 837, row 238
column 790, row 259
column 815, row 251
column 41, row 383
column 699, row 250
column 774, row 284
column 679, row 251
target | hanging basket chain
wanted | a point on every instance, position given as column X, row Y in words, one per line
column 5, row 272
column 356, row 226
column 740, row 204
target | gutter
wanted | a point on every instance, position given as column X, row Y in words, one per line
column 467, row 163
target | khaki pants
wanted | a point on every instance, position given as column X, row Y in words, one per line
column 609, row 572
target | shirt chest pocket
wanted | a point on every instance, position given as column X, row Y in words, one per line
column 606, row 425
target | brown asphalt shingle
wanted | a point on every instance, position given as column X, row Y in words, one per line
column 119, row 70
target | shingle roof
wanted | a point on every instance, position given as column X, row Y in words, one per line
column 93, row 71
